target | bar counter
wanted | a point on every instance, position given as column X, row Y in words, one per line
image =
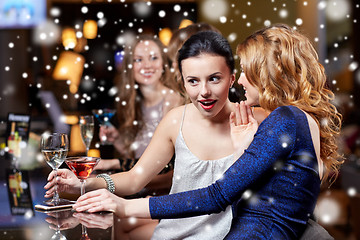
column 32, row 224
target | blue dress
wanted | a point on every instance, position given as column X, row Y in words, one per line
column 273, row 186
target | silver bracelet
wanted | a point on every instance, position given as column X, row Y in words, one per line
column 110, row 185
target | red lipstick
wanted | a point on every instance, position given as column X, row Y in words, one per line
column 207, row 104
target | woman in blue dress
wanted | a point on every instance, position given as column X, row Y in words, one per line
column 273, row 186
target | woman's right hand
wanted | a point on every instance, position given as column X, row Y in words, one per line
column 108, row 134
column 66, row 182
column 243, row 127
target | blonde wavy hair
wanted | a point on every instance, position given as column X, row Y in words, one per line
column 283, row 65
column 129, row 93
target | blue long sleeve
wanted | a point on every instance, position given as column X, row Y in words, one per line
column 277, row 131
column 278, row 171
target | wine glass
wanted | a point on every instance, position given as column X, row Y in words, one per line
column 82, row 167
column 54, row 148
column 84, row 234
column 87, row 130
column 56, row 219
column 58, row 235
column 104, row 116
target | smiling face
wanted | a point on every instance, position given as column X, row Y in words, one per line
column 148, row 63
column 251, row 92
column 207, row 79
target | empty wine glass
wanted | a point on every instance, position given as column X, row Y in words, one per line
column 54, row 148
column 87, row 130
column 82, row 167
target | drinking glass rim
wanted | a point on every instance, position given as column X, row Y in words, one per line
column 82, row 159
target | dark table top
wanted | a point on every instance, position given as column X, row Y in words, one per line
column 38, row 225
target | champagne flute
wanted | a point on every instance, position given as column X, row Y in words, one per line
column 87, row 130
column 54, row 148
column 82, row 168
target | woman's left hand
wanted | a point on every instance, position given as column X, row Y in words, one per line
column 98, row 201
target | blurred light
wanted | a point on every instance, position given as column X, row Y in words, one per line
column 70, row 119
column 185, row 22
column 283, row 13
column 142, row 9
column 90, row 29
column 337, row 10
column 232, row 37
column 69, row 38
column 162, row 13
column 267, row 23
column 299, row 21
column 46, row 33
column 165, row 36
column 100, row 15
column 327, row 211
column 94, row 153
column 55, row 12
column 69, row 67
column 84, row 9
column 223, row 19
column 214, row 9
column 177, row 8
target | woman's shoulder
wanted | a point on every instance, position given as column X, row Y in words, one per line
column 287, row 114
column 171, row 121
column 174, row 113
column 172, row 99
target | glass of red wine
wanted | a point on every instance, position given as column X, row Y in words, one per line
column 82, row 167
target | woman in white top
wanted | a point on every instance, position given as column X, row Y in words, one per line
column 198, row 133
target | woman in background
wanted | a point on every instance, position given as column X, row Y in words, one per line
column 147, row 92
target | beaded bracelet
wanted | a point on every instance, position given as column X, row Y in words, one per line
column 110, row 185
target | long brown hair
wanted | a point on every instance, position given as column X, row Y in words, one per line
column 283, row 65
column 130, row 98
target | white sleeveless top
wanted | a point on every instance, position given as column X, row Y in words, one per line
column 192, row 173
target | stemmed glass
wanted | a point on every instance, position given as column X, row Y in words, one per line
column 54, row 148
column 104, row 116
column 87, row 130
column 82, row 167
column 57, row 219
column 84, row 234
column 58, row 235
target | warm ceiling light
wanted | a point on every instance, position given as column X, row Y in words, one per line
column 185, row 22
column 90, row 29
column 70, row 66
column 69, row 38
column 165, row 36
